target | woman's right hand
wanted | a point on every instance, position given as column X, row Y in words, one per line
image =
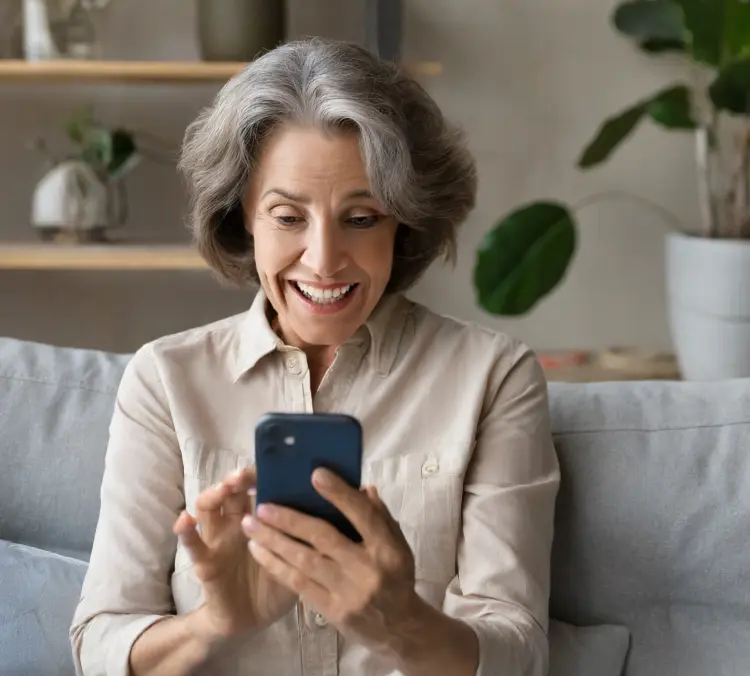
column 239, row 595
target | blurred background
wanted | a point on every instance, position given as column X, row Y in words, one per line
column 529, row 81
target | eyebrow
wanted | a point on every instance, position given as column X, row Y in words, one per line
column 304, row 199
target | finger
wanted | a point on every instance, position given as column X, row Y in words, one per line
column 290, row 577
column 353, row 504
column 321, row 535
column 185, row 529
column 318, row 567
column 237, row 503
column 208, row 509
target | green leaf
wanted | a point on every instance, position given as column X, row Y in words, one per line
column 524, row 257
column 123, row 150
column 673, row 108
column 79, row 124
column 655, row 25
column 719, row 29
column 611, row 134
column 730, row 91
column 98, row 149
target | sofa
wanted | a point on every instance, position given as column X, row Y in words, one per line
column 651, row 559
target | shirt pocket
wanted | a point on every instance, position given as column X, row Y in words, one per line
column 204, row 465
column 207, row 464
column 423, row 492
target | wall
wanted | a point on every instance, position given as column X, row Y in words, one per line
column 529, row 80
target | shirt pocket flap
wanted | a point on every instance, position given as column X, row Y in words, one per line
column 423, row 492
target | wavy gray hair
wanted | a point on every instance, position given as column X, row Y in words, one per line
column 416, row 161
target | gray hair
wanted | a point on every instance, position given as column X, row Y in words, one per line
column 416, row 161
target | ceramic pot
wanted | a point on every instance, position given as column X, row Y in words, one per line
column 72, row 202
column 239, row 30
column 38, row 41
column 708, row 290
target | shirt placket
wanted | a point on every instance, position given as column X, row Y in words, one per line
column 319, row 640
column 297, row 395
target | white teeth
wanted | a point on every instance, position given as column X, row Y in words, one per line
column 324, row 296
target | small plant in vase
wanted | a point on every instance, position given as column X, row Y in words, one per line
column 528, row 252
column 83, row 195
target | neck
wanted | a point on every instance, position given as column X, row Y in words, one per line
column 319, row 357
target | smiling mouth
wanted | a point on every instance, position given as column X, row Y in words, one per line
column 328, row 296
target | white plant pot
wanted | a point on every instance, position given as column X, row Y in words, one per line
column 708, row 291
column 70, row 198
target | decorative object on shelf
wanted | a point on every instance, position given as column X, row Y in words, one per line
column 80, row 33
column 239, row 30
column 611, row 364
column 82, row 197
column 38, row 41
column 528, row 252
column 384, row 27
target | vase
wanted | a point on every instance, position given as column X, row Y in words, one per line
column 73, row 202
column 239, row 30
column 709, row 306
column 38, row 43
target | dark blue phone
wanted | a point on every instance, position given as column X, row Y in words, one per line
column 290, row 446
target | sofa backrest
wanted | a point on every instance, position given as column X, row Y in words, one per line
column 55, row 407
column 653, row 520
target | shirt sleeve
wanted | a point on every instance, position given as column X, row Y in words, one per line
column 127, row 586
column 502, row 586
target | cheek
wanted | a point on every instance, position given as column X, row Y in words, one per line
column 274, row 250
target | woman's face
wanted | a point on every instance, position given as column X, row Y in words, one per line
column 323, row 243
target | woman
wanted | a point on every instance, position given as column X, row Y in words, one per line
column 332, row 179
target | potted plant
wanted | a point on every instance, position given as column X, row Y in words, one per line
column 82, row 195
column 527, row 253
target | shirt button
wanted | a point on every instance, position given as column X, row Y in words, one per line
column 430, row 468
column 320, row 620
column 293, row 365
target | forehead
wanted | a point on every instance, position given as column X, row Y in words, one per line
column 300, row 153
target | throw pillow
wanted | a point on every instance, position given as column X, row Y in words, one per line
column 39, row 591
column 587, row 651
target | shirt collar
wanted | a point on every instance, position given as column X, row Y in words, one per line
column 383, row 329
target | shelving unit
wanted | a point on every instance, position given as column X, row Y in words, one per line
column 145, row 72
column 38, row 256
column 113, row 257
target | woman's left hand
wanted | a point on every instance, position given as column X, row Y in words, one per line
column 366, row 590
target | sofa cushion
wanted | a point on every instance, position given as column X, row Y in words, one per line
column 39, row 592
column 587, row 651
column 55, row 408
column 652, row 520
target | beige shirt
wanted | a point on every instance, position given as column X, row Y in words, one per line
column 456, row 439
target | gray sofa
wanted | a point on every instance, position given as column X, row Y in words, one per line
column 652, row 547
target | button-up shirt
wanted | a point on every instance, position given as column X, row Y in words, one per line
column 456, row 439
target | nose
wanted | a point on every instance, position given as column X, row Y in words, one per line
column 325, row 249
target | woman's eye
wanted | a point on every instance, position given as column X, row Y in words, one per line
column 363, row 221
column 288, row 220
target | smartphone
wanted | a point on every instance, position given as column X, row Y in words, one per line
column 288, row 449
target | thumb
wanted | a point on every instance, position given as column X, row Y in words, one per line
column 186, row 529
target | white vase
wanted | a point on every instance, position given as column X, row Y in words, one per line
column 708, row 290
column 71, row 199
column 38, row 42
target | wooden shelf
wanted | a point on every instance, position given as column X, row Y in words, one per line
column 99, row 257
column 69, row 70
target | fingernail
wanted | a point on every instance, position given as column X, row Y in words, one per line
column 265, row 511
column 322, row 477
column 248, row 523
